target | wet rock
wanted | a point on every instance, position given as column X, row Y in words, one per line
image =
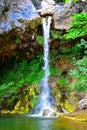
column 53, row 114
column 8, row 50
column 46, row 112
column 80, row 7
column 17, row 14
column 59, row 109
column 37, row 4
column 63, row 64
column 82, row 104
column 47, row 7
column 52, row 81
column 63, row 14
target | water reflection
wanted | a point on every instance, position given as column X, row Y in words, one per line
column 33, row 123
column 45, row 124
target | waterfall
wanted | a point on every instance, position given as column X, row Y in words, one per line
column 45, row 94
column 46, row 100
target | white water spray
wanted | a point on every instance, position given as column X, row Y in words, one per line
column 46, row 99
column 45, row 94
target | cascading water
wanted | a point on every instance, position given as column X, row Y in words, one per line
column 46, row 99
column 45, row 94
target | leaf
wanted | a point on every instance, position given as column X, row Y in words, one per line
column 17, row 40
column 40, row 39
column 55, row 34
column 78, row 27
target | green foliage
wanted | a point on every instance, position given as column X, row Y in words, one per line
column 73, row 1
column 22, row 73
column 78, row 27
column 81, row 47
column 17, row 40
column 80, row 75
column 66, row 1
column 54, row 71
column 7, row 87
column 56, row 34
column 63, row 82
column 54, row 55
column 21, row 20
column 57, row 1
column 39, row 39
column 24, row 66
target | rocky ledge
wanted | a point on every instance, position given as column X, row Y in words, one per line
column 20, row 24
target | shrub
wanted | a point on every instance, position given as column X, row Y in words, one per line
column 20, row 74
column 78, row 27
column 80, row 75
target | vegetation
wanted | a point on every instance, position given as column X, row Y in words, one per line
column 39, row 39
column 22, row 73
column 56, row 34
column 80, row 75
column 20, row 83
column 80, row 62
column 24, row 76
column 78, row 27
column 17, row 40
column 73, row 1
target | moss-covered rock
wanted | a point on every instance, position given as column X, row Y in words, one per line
column 26, row 100
column 66, row 99
column 78, row 115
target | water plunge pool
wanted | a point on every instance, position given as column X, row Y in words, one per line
column 40, row 123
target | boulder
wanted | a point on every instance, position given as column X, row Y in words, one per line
column 63, row 14
column 49, row 112
column 15, row 14
column 82, row 104
column 19, row 23
column 46, row 112
column 47, row 7
column 53, row 114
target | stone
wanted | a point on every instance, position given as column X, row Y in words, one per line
column 37, row 4
column 63, row 14
column 53, row 114
column 46, row 112
column 47, row 7
column 52, row 81
column 17, row 17
column 15, row 14
column 82, row 104
column 62, row 17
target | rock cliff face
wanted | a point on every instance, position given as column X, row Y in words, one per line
column 47, row 7
column 15, row 14
column 63, row 14
column 16, row 36
column 20, row 24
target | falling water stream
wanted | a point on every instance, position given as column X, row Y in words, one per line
column 46, row 100
column 45, row 94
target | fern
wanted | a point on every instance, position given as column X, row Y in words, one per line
column 78, row 27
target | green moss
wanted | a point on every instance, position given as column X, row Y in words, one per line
column 26, row 102
column 56, row 34
column 33, row 23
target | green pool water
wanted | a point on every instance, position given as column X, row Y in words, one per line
column 38, row 123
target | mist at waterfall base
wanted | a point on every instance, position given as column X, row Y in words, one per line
column 46, row 101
